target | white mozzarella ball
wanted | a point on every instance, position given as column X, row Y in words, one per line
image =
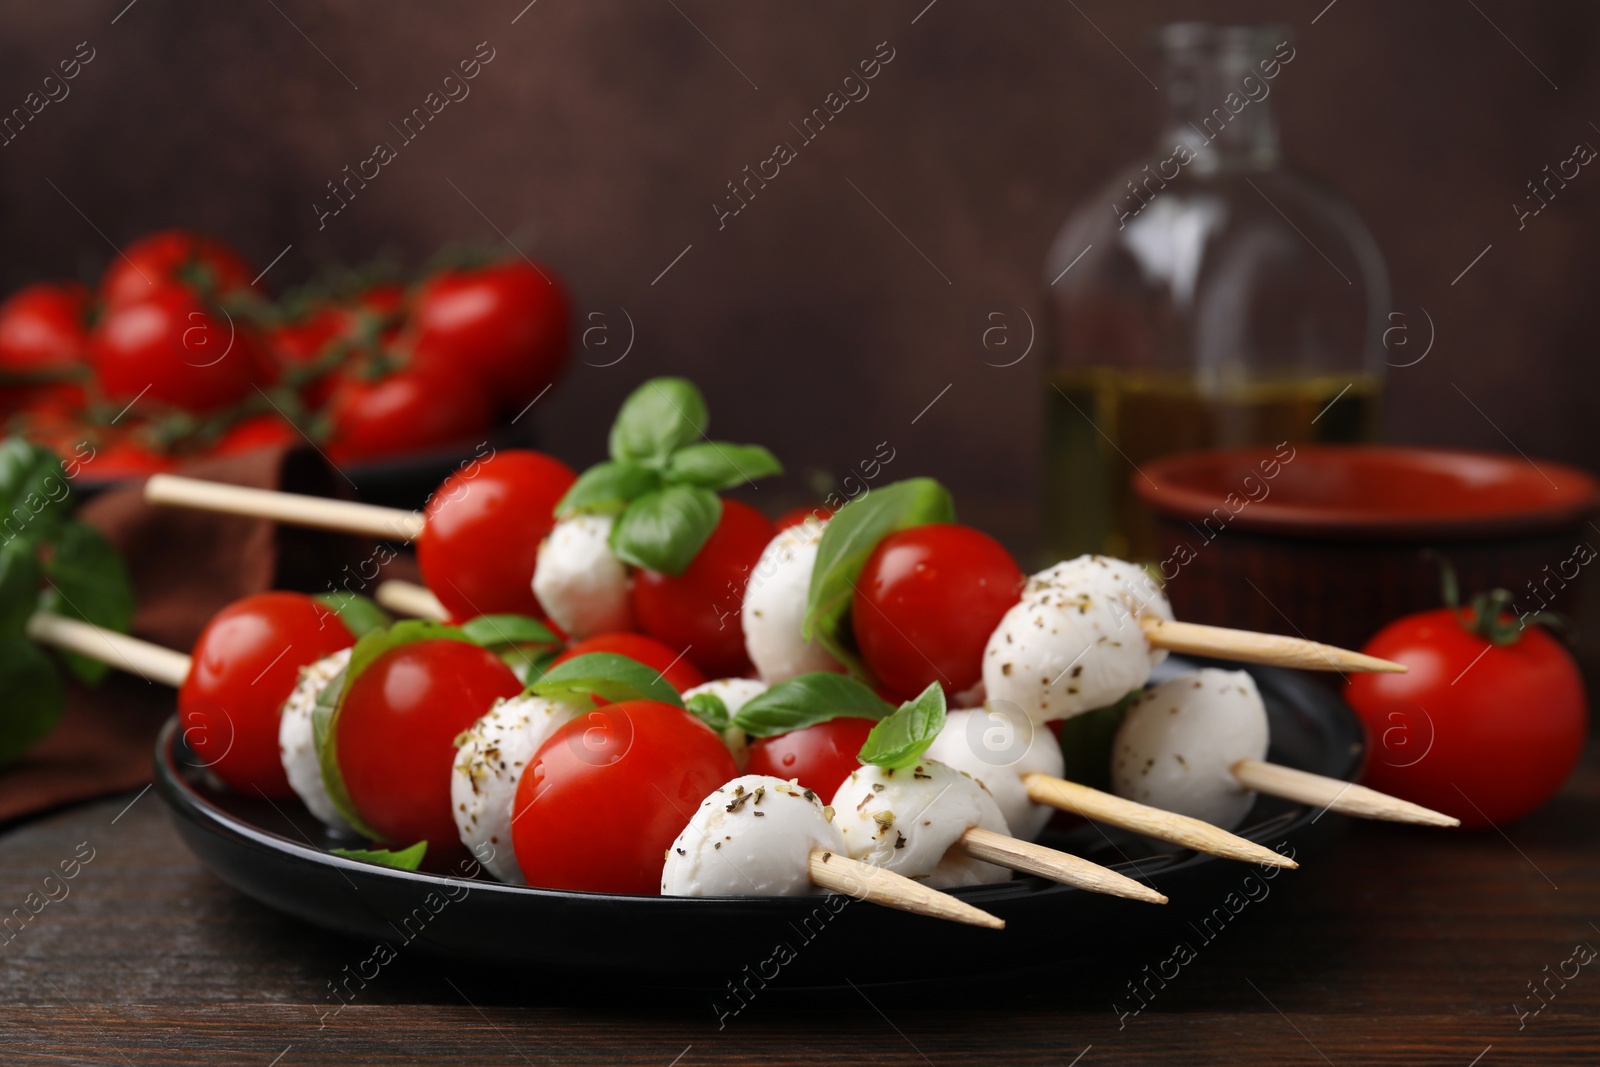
column 490, row 758
column 909, row 821
column 751, row 838
column 734, row 694
column 297, row 743
column 1057, row 654
column 579, row 582
column 775, row 604
column 1177, row 746
column 1140, row 593
column 999, row 745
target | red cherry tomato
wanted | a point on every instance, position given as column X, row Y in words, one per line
column 605, row 797
column 407, row 411
column 42, row 333
column 484, row 524
column 174, row 348
column 1483, row 732
column 163, row 259
column 301, row 346
column 245, row 664
column 396, row 736
column 505, row 325
column 926, row 603
column 699, row 609
column 125, row 456
column 257, row 431
column 672, row 663
column 821, row 756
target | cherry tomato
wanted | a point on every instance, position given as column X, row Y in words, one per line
column 174, row 348
column 396, row 736
column 126, row 456
column 42, row 333
column 505, row 325
column 484, row 524
column 173, row 256
column 257, row 431
column 245, row 664
column 672, row 663
column 699, row 609
column 302, row 346
column 821, row 756
column 926, row 603
column 406, row 411
column 798, row 516
column 1483, row 732
column 605, row 797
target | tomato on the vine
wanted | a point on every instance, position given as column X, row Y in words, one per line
column 699, row 609
column 395, row 736
column 173, row 257
column 405, row 411
column 605, row 797
column 245, row 664
column 674, row 666
column 484, row 524
column 820, row 756
column 43, row 335
column 258, row 431
column 926, row 603
column 505, row 325
column 1482, row 730
column 172, row 347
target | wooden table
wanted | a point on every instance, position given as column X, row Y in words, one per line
column 1399, row 946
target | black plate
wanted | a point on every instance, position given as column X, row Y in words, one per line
column 273, row 853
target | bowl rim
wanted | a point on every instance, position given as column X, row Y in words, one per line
column 1161, row 485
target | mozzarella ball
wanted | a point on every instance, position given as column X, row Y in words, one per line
column 775, row 605
column 297, row 742
column 998, row 745
column 734, row 693
column 490, row 758
column 910, row 820
column 1177, row 747
column 1132, row 584
column 581, row 585
column 1057, row 654
column 751, row 838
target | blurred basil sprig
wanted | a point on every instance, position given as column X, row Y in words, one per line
column 663, row 476
column 52, row 563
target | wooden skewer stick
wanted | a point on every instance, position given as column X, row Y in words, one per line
column 408, row 598
column 130, row 654
column 1151, row 822
column 1319, row 791
column 344, row 516
column 836, row 871
column 1247, row 646
column 1060, row 867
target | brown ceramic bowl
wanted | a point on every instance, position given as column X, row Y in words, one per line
column 1329, row 542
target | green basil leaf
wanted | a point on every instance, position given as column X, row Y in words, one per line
column 86, row 580
column 33, row 489
column 1086, row 742
column 325, row 718
column 406, row 859
column 34, row 697
column 664, row 530
column 847, row 542
column 657, row 419
column 19, row 585
column 359, row 614
column 526, row 662
column 720, row 465
column 901, row 739
column 494, row 631
column 806, row 700
column 604, row 674
column 709, row 709
column 607, row 488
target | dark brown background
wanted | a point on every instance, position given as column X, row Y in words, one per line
column 602, row 132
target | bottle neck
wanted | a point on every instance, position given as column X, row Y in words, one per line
column 1219, row 106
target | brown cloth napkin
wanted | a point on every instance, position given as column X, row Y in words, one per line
column 186, row 565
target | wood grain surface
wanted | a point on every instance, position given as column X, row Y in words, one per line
column 1400, row 945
